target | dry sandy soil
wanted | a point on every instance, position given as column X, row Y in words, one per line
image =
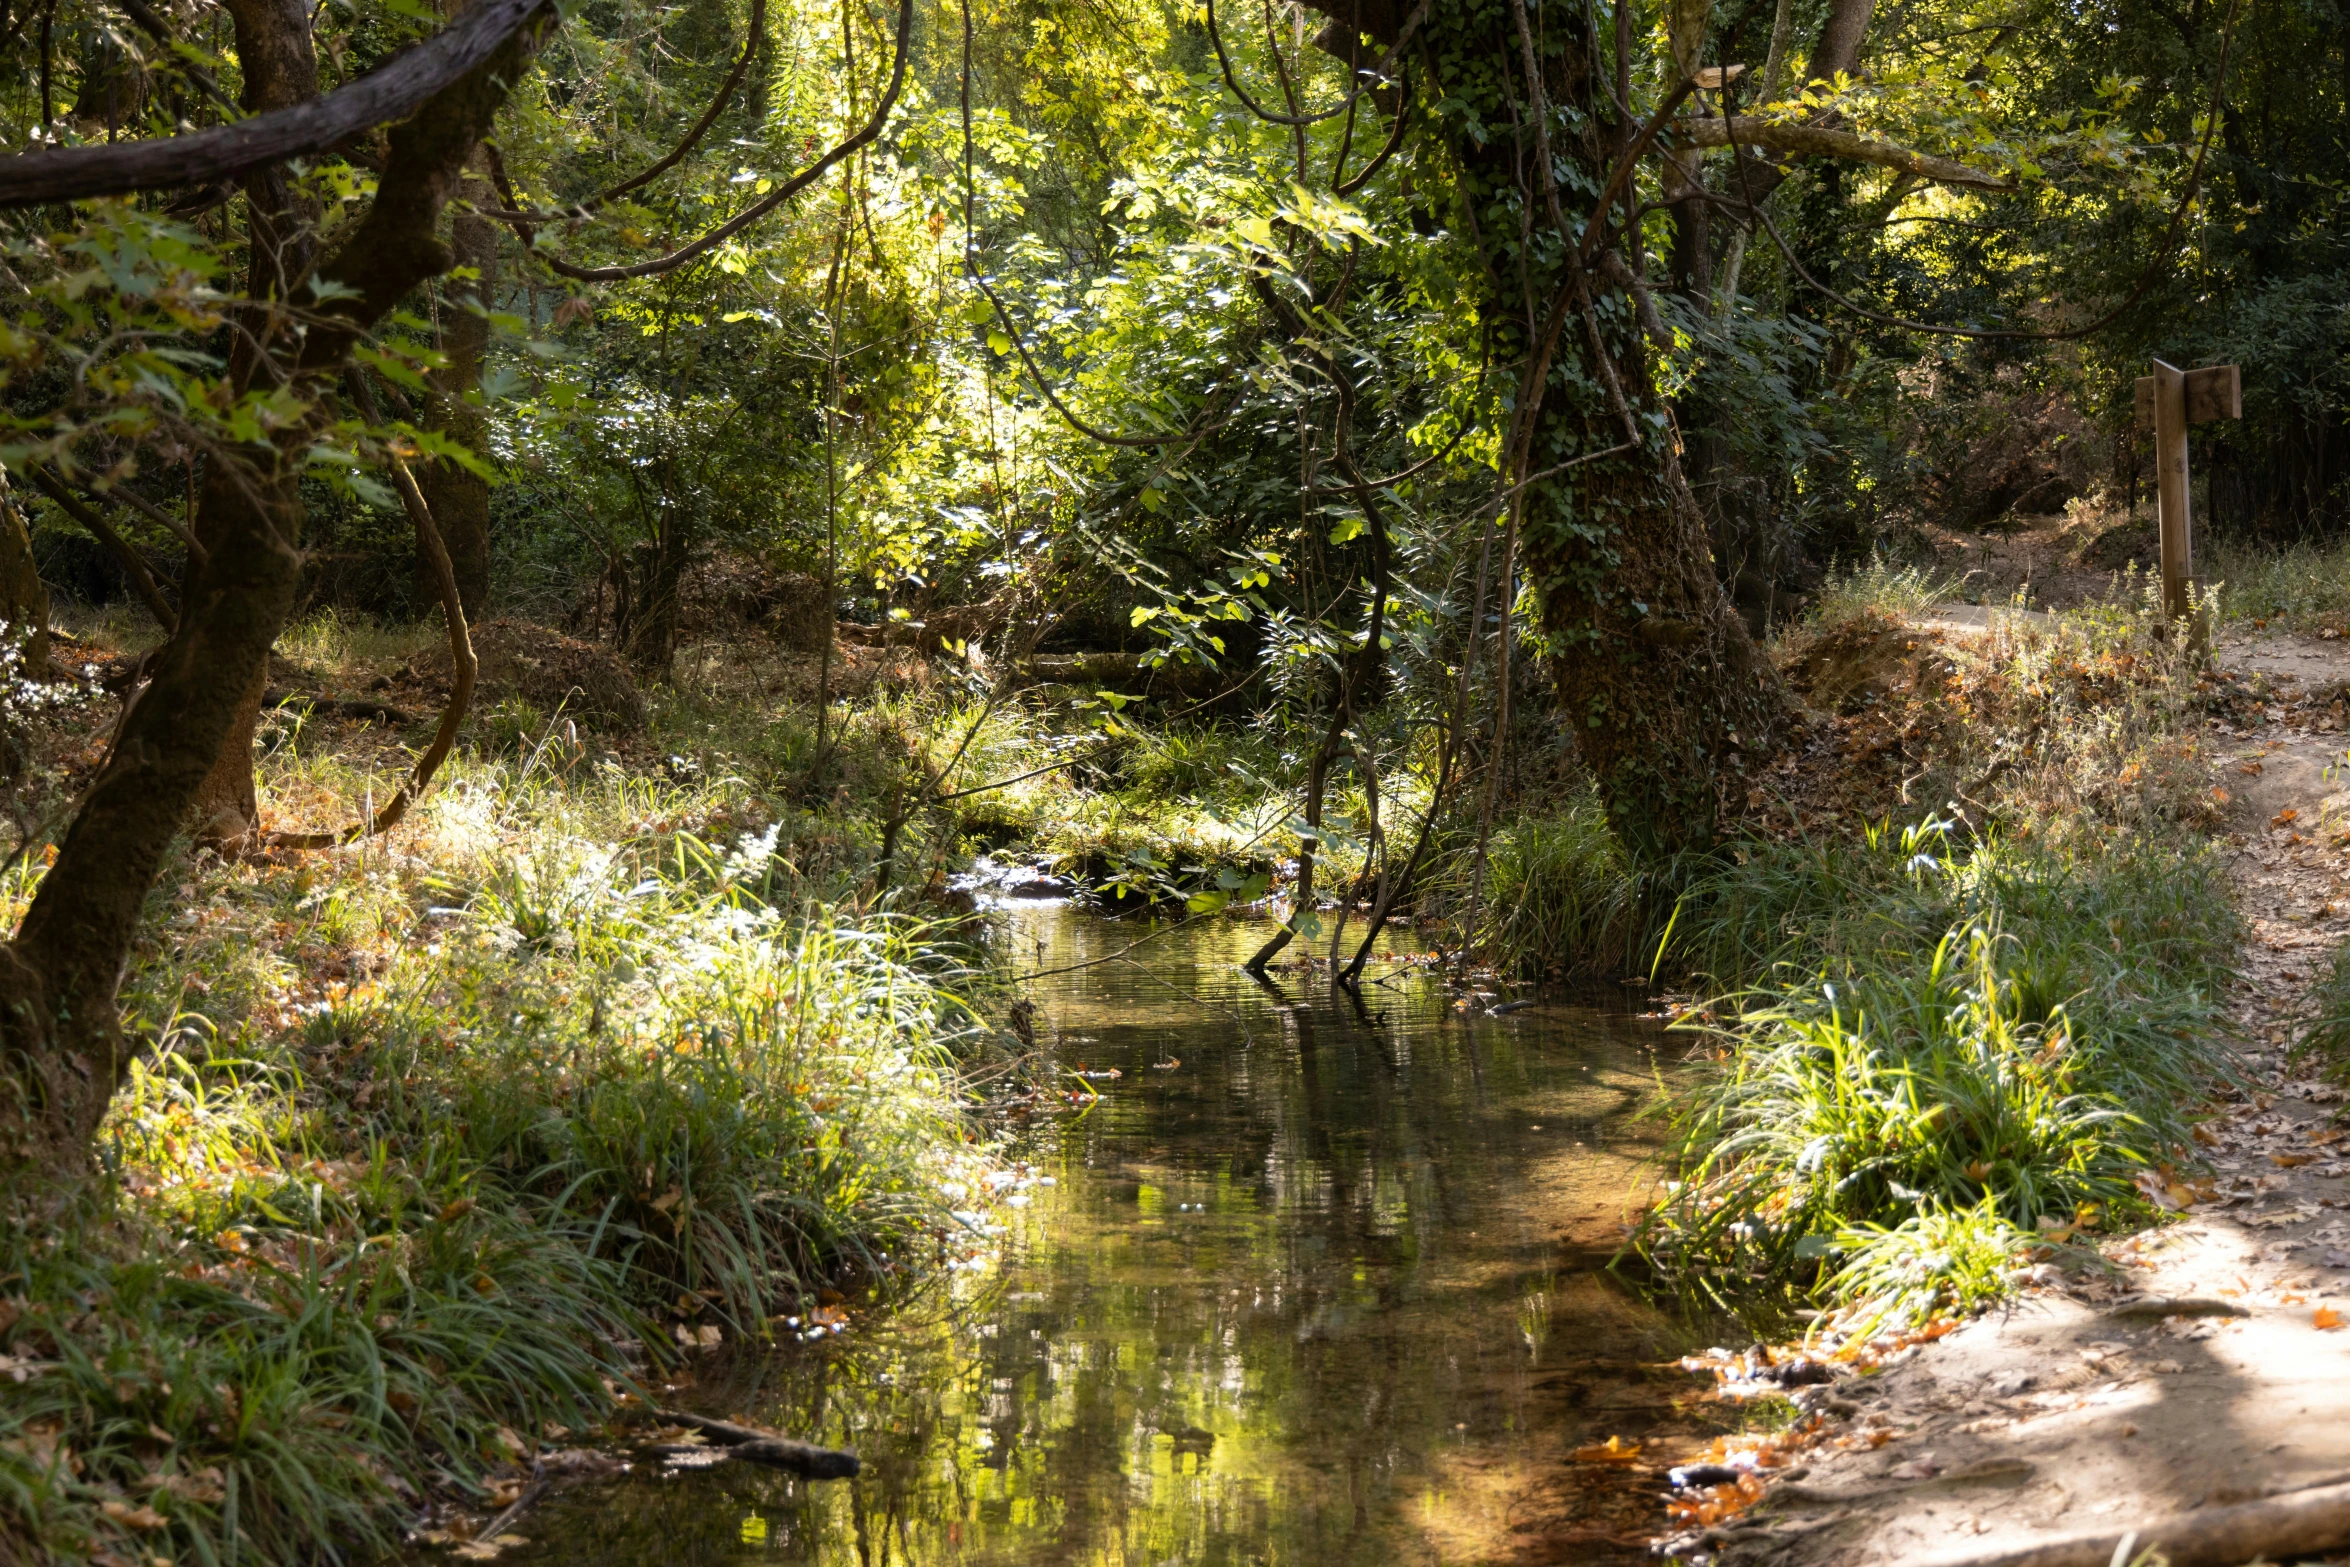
column 2198, row 1371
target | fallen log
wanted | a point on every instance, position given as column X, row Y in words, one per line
column 753, row 1445
column 342, row 706
column 2307, row 1522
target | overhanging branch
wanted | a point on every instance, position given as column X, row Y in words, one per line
column 1819, row 141
column 392, row 92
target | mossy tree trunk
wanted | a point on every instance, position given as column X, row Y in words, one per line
column 1663, row 686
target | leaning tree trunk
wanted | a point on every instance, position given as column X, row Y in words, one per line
column 63, row 1050
column 280, row 71
column 459, row 498
column 1663, row 687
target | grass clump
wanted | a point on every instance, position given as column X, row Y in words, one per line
column 1562, row 898
column 1946, row 1030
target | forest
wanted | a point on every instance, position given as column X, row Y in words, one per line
column 746, row 745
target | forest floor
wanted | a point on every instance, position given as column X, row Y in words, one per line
column 2205, row 1361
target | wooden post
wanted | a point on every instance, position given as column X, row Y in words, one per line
column 2170, row 488
column 2168, row 401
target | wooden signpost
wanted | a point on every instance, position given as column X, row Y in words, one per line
column 2169, row 400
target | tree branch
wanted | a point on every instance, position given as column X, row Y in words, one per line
column 757, row 210
column 392, row 92
column 126, row 557
column 1819, row 141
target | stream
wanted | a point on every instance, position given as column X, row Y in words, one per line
column 1328, row 1290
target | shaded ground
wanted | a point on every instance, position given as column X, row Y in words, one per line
column 2055, row 560
column 2199, row 1367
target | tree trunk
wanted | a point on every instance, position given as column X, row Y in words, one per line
column 281, row 70
column 1663, row 686
column 24, row 597
column 656, row 625
column 459, row 498
column 63, row 1051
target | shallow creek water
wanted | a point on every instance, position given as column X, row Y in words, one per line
column 1326, row 1292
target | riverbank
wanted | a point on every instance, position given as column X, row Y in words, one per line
column 2195, row 1361
column 448, row 1144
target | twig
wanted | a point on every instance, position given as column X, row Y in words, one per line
column 521, row 1504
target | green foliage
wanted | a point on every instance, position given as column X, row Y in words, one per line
column 1977, row 1025
column 1563, row 898
column 1937, row 1260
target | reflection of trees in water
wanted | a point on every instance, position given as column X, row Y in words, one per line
column 1287, row 1373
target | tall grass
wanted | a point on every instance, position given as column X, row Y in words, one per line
column 1945, row 1028
column 442, row 1139
column 1563, row 899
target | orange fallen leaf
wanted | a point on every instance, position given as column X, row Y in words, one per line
column 1615, row 1450
column 2249, row 769
column 2285, row 817
column 2292, row 1160
column 2327, row 1319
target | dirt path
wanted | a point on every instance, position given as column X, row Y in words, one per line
column 2197, row 1373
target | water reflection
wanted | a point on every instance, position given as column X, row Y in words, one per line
column 1323, row 1292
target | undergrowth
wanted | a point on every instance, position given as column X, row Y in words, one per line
column 1943, row 1036
column 442, row 1140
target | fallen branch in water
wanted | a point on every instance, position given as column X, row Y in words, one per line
column 766, row 1447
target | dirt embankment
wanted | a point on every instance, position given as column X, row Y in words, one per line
column 2208, row 1365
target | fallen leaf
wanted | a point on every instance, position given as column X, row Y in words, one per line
column 2327, row 1319
column 2166, row 1195
column 2249, row 769
column 135, row 1516
column 668, row 1199
column 1615, row 1450
column 2285, row 817
column 2292, row 1160
column 457, row 1210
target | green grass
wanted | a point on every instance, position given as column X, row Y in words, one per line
column 1562, row 899
column 1942, row 1028
column 2325, row 1033
column 444, row 1138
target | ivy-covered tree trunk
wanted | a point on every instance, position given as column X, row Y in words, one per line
column 1663, row 686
